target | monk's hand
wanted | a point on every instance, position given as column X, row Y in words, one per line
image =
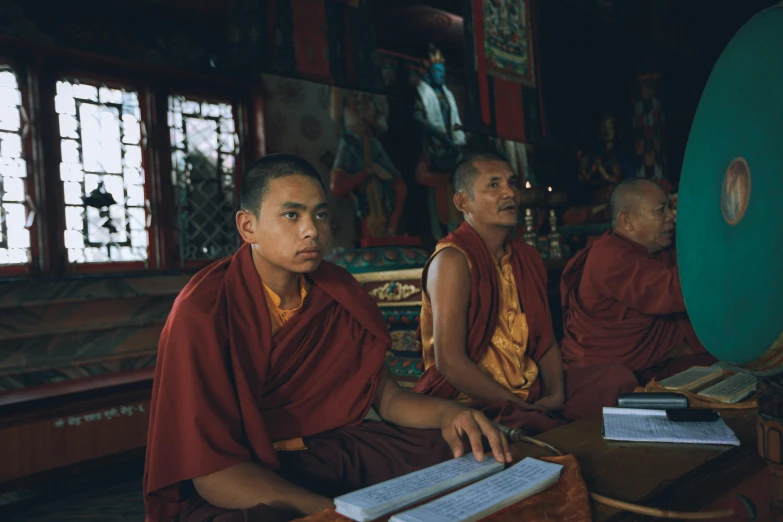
column 458, row 422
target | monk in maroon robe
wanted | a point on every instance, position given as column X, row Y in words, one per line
column 486, row 328
column 268, row 367
column 621, row 296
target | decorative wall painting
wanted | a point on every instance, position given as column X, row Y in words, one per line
column 508, row 41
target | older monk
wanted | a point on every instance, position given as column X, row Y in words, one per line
column 486, row 329
column 621, row 296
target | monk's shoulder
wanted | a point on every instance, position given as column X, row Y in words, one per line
column 608, row 256
column 197, row 322
column 203, row 291
column 611, row 248
column 450, row 259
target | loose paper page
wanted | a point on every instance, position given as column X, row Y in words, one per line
column 635, row 425
column 395, row 494
column 478, row 500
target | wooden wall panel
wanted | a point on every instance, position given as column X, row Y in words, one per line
column 78, row 349
column 57, row 330
column 42, row 292
column 56, row 442
column 39, row 320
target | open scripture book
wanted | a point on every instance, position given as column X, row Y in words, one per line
column 637, row 425
column 396, row 494
column 709, row 382
column 692, row 378
column 497, row 490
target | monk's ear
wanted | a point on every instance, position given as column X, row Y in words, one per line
column 246, row 225
column 461, row 201
column 624, row 219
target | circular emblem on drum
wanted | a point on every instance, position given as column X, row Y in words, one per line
column 735, row 193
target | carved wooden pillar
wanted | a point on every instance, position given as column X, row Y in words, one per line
column 770, row 437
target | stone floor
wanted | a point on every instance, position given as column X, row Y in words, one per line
column 105, row 496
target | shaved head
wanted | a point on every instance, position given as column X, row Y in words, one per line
column 255, row 183
column 468, row 171
column 641, row 213
column 627, row 196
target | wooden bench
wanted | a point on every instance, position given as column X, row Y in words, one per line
column 76, row 365
column 72, row 426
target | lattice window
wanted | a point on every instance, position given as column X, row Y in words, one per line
column 102, row 174
column 203, row 157
column 14, row 225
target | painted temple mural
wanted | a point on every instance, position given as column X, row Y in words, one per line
column 297, row 121
column 362, row 169
column 351, row 138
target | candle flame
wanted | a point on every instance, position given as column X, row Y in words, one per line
column 549, row 189
column 527, row 184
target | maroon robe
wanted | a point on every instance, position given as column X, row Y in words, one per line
column 624, row 306
column 531, row 280
column 225, row 390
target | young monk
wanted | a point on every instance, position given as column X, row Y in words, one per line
column 486, row 328
column 268, row 365
column 622, row 300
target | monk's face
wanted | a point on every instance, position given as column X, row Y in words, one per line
column 651, row 221
column 292, row 229
column 495, row 200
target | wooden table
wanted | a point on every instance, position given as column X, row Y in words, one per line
column 683, row 477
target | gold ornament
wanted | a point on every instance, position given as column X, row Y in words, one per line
column 393, row 291
column 434, row 56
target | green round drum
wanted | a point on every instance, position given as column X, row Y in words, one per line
column 730, row 208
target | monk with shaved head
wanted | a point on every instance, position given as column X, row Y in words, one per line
column 486, row 328
column 621, row 296
column 269, row 366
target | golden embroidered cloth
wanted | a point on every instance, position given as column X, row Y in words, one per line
column 506, row 359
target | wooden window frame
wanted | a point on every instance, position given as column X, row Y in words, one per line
column 43, row 66
column 55, row 152
column 25, row 81
column 238, row 99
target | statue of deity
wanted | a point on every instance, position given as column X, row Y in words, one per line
column 363, row 170
column 608, row 164
column 436, row 113
column 600, row 171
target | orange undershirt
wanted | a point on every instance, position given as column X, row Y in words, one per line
column 506, row 359
column 279, row 317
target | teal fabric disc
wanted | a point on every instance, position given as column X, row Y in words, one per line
column 730, row 208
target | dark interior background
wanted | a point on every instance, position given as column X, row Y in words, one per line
column 590, row 53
